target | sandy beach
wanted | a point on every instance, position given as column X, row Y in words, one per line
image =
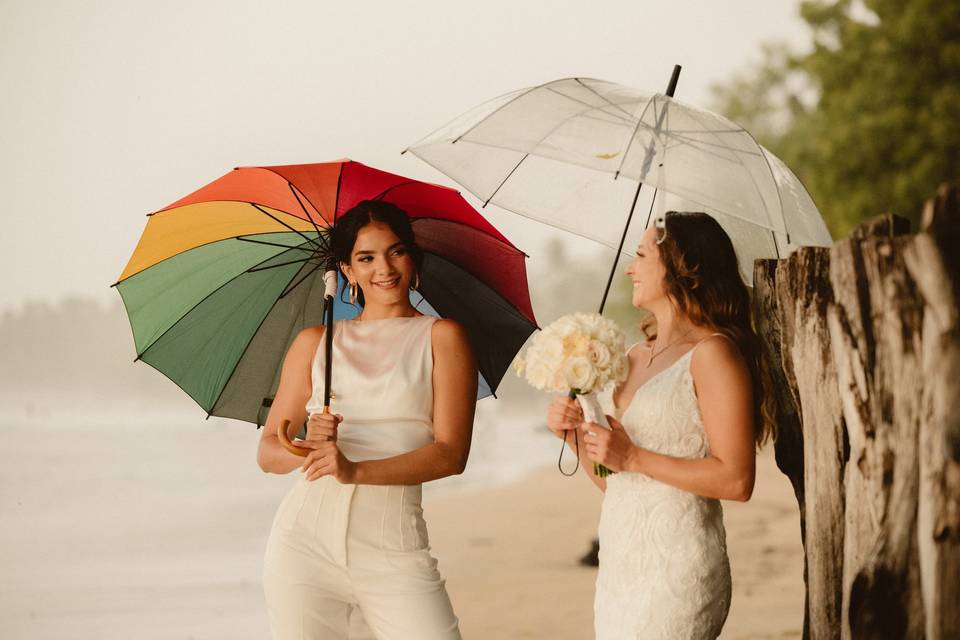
column 156, row 529
column 509, row 557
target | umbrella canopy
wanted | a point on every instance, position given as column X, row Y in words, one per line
column 573, row 153
column 223, row 279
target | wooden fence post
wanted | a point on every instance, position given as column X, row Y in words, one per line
column 864, row 341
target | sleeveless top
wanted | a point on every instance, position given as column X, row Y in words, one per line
column 382, row 383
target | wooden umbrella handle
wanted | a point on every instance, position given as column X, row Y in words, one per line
column 285, row 441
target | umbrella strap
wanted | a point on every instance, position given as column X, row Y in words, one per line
column 576, row 443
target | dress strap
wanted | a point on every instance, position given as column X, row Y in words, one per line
column 705, row 338
column 630, row 348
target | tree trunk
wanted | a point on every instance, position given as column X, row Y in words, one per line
column 864, row 341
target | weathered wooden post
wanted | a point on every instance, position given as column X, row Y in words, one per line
column 865, row 341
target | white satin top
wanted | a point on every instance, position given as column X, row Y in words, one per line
column 383, row 385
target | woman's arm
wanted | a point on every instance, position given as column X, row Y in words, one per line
column 290, row 403
column 454, row 402
column 724, row 395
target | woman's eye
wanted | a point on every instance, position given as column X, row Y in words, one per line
column 400, row 252
column 365, row 259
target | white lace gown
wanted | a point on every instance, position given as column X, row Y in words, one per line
column 664, row 571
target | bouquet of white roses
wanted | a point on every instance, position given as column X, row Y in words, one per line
column 580, row 352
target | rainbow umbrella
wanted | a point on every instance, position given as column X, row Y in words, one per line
column 224, row 279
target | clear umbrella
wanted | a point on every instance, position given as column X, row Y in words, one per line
column 574, row 153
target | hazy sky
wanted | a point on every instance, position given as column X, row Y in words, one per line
column 111, row 110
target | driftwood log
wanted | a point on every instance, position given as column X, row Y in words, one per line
column 864, row 342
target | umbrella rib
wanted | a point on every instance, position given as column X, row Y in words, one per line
column 594, row 92
column 489, row 115
column 307, row 275
column 205, row 244
column 268, row 214
column 755, row 185
column 243, row 353
column 304, row 195
column 307, row 213
column 593, row 107
column 281, row 264
column 783, row 215
column 264, row 242
column 487, row 201
column 383, row 193
column 633, row 135
column 537, row 144
column 199, row 302
column 508, row 245
column 694, row 142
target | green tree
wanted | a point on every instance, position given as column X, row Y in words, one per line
column 869, row 118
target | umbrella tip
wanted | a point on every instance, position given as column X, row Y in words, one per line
column 405, row 151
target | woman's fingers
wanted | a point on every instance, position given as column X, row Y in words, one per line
column 323, row 426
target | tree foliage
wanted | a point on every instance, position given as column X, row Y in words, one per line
column 869, row 117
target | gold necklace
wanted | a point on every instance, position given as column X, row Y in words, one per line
column 654, row 354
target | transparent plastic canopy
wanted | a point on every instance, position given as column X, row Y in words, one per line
column 573, row 153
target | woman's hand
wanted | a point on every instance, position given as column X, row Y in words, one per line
column 610, row 447
column 321, row 427
column 327, row 460
column 563, row 415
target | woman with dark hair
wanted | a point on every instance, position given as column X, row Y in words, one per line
column 349, row 538
column 684, row 428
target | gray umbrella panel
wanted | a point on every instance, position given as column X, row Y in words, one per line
column 571, row 153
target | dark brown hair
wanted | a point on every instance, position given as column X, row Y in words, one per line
column 348, row 225
column 703, row 279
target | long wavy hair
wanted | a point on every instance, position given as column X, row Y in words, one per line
column 348, row 225
column 703, row 280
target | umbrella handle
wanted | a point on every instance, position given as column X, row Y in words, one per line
column 289, row 446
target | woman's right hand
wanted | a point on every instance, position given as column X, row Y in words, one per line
column 563, row 415
column 321, row 427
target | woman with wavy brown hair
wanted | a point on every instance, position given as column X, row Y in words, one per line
column 684, row 429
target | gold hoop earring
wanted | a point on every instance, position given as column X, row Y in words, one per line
column 416, row 283
column 353, row 293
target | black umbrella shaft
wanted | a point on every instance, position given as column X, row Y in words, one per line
column 671, row 88
column 328, row 340
column 674, row 77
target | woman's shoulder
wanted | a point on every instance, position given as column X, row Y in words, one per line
column 715, row 354
column 449, row 335
column 447, row 329
column 308, row 339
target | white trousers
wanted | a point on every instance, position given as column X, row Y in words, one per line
column 353, row 561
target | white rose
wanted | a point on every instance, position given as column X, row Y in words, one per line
column 599, row 354
column 580, row 374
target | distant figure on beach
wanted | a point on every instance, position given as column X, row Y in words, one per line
column 348, row 554
column 685, row 426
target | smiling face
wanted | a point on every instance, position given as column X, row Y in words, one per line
column 647, row 271
column 381, row 265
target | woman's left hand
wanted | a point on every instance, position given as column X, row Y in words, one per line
column 327, row 460
column 610, row 447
